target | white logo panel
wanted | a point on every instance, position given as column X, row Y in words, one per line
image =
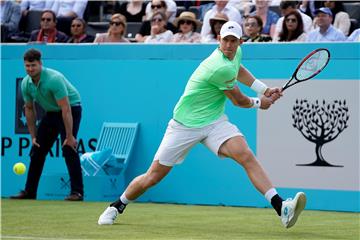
column 310, row 137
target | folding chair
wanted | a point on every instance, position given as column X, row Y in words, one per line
column 120, row 138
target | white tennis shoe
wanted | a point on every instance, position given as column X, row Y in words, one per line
column 108, row 216
column 291, row 209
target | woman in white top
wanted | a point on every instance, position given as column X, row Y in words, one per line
column 159, row 34
column 187, row 25
column 292, row 28
column 341, row 19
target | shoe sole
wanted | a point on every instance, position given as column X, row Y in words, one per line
column 300, row 205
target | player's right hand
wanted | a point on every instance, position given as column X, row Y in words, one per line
column 34, row 142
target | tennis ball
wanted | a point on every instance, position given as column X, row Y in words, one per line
column 19, row 168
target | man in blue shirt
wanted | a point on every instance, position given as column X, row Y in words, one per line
column 9, row 18
column 326, row 32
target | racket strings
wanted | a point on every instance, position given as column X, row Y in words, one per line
column 314, row 64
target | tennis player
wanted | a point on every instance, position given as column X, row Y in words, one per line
column 199, row 118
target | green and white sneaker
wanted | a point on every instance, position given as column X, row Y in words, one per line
column 291, row 209
column 108, row 216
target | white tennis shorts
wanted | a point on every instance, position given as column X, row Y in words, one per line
column 179, row 139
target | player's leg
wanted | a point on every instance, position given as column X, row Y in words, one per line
column 140, row 184
column 289, row 210
column 225, row 139
column 177, row 142
column 137, row 187
column 46, row 136
column 237, row 149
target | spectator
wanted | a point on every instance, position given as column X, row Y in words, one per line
column 287, row 7
column 66, row 11
column 187, row 25
column 159, row 34
column 292, row 28
column 117, row 29
column 243, row 6
column 35, row 5
column 268, row 17
column 216, row 23
column 326, row 31
column 355, row 36
column 171, row 9
column 221, row 6
column 341, row 18
column 133, row 10
column 203, row 7
column 252, row 27
column 78, row 32
column 10, row 17
column 145, row 28
column 48, row 32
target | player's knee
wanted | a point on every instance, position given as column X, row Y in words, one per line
column 151, row 180
column 244, row 156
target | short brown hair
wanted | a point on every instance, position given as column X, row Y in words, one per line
column 32, row 55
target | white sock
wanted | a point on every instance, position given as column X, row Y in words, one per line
column 270, row 193
column 123, row 199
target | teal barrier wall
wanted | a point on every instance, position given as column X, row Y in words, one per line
column 142, row 83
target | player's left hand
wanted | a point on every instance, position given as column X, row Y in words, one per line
column 266, row 102
column 71, row 142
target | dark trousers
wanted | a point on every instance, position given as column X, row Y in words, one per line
column 50, row 126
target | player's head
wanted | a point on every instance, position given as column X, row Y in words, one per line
column 230, row 38
column 32, row 61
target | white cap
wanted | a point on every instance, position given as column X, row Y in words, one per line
column 231, row 28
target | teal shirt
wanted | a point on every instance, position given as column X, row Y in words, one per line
column 52, row 86
column 203, row 100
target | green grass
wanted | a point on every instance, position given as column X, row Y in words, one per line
column 28, row 219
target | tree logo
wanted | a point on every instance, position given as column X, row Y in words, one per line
column 320, row 123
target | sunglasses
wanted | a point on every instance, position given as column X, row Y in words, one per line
column 115, row 23
column 156, row 20
column 250, row 25
column 76, row 25
column 188, row 22
column 46, row 19
column 156, row 6
column 294, row 20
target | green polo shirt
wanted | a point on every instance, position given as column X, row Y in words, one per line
column 203, row 100
column 52, row 86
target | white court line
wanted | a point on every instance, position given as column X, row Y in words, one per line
column 37, row 238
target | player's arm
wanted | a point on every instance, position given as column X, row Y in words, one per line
column 241, row 100
column 68, row 121
column 244, row 76
column 30, row 115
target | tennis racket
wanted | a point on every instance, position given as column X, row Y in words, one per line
column 309, row 67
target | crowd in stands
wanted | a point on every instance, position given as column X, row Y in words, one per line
column 169, row 21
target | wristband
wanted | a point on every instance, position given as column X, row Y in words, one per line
column 258, row 86
column 256, row 102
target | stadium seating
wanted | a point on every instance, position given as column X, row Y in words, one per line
column 353, row 9
column 132, row 29
column 97, row 27
column 33, row 21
